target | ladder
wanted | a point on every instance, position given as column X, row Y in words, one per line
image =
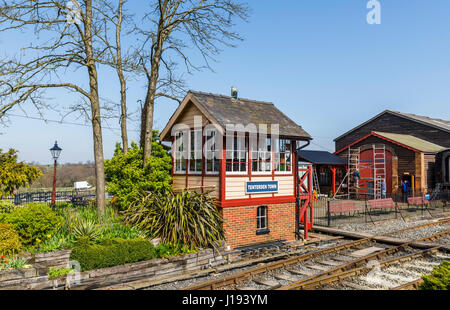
column 354, row 163
column 316, row 185
column 379, row 170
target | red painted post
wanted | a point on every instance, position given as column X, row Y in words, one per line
column 54, row 186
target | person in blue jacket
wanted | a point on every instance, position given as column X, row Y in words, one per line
column 383, row 189
column 405, row 188
column 356, row 177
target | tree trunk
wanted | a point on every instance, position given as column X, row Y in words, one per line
column 96, row 117
column 150, row 106
column 123, row 116
column 123, row 83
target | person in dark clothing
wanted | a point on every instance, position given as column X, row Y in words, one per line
column 405, row 188
column 356, row 177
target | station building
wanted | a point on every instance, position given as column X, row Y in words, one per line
column 397, row 146
column 242, row 152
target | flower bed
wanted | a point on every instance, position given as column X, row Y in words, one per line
column 158, row 268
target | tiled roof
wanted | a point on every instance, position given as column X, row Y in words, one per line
column 433, row 122
column 321, row 158
column 424, row 119
column 245, row 111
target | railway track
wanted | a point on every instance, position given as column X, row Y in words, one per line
column 332, row 263
column 344, row 272
column 382, row 275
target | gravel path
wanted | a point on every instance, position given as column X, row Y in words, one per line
column 384, row 226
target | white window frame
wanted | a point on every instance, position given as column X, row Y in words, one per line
column 265, row 216
column 211, row 149
column 278, row 152
column 265, row 152
column 246, row 148
column 198, row 134
column 177, row 154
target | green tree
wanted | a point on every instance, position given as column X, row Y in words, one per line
column 125, row 176
column 15, row 174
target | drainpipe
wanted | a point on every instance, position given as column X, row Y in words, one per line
column 297, row 190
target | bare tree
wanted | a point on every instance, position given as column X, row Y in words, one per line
column 207, row 25
column 67, row 43
column 115, row 15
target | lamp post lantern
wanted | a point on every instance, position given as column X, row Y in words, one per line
column 56, row 151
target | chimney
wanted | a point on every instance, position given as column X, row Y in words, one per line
column 234, row 92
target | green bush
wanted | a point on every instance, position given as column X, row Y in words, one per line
column 9, row 240
column 188, row 218
column 34, row 223
column 126, row 177
column 58, row 272
column 164, row 250
column 111, row 252
column 59, row 241
column 6, row 206
column 439, row 280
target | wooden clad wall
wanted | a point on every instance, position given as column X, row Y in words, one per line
column 405, row 159
column 395, row 124
column 194, row 182
column 187, row 117
column 235, row 187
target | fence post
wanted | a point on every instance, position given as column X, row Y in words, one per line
column 329, row 213
column 365, row 211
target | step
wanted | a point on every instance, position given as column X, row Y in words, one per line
column 365, row 252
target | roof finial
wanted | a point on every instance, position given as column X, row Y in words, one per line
column 234, row 92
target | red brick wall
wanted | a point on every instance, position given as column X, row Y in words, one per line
column 240, row 224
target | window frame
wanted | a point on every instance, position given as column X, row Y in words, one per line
column 195, row 151
column 278, row 151
column 209, row 150
column 258, row 151
column 262, row 212
column 176, row 151
column 246, row 150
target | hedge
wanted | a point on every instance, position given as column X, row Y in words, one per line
column 112, row 252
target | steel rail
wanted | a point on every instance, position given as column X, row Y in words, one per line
column 354, row 272
column 236, row 278
column 342, row 269
column 413, row 285
column 239, row 277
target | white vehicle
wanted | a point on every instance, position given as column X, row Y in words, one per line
column 82, row 185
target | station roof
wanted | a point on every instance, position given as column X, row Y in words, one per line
column 224, row 110
column 407, row 141
column 413, row 142
column 321, row 158
column 432, row 122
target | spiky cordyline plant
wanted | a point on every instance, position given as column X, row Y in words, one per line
column 187, row 218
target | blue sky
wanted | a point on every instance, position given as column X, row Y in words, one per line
column 319, row 61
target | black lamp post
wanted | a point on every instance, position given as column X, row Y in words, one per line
column 56, row 151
